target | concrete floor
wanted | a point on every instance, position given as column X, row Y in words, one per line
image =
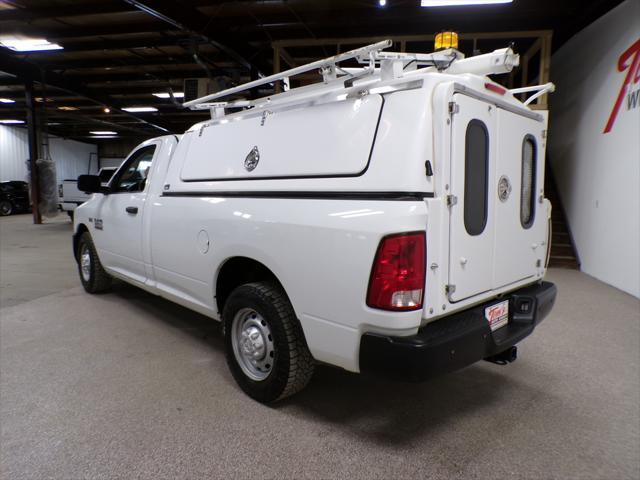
column 35, row 261
column 125, row 385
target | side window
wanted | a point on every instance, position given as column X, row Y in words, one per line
column 134, row 176
column 476, row 177
column 527, row 197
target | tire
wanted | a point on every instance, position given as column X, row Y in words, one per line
column 261, row 312
column 93, row 277
column 70, row 213
column 6, row 208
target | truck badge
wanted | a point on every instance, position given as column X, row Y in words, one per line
column 504, row 188
column 251, row 161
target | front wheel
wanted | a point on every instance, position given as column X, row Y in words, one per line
column 265, row 346
column 6, row 208
column 93, row 277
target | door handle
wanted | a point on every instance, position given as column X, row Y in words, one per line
column 133, row 210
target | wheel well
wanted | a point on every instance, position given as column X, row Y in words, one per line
column 238, row 271
column 76, row 238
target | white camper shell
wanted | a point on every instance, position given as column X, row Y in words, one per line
column 292, row 218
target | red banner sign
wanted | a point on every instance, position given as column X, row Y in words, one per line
column 629, row 61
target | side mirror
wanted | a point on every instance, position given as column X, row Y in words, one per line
column 90, row 184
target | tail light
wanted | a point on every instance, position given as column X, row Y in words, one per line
column 398, row 274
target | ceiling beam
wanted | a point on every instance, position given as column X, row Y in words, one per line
column 119, row 88
column 166, row 61
column 189, row 19
column 9, row 81
column 124, row 73
column 163, row 106
column 92, row 119
column 28, row 71
column 150, row 42
column 76, row 10
column 60, row 34
column 115, row 76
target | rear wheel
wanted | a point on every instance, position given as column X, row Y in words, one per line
column 93, row 277
column 6, row 208
column 265, row 346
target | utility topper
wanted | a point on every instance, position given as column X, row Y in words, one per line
column 388, row 219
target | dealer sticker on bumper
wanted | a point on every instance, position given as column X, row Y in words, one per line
column 497, row 315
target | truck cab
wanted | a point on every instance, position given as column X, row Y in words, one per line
column 390, row 220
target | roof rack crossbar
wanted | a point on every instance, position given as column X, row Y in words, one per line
column 326, row 64
column 538, row 89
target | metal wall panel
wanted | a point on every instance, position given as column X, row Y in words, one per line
column 111, row 161
column 72, row 158
column 14, row 151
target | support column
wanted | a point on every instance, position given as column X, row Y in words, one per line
column 545, row 65
column 32, row 133
column 276, row 67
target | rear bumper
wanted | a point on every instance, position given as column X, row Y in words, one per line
column 458, row 340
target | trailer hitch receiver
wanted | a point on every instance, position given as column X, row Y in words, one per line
column 510, row 355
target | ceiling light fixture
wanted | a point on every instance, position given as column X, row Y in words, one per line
column 452, row 3
column 27, row 44
column 106, row 110
column 140, row 109
column 103, row 132
column 68, row 109
column 7, row 100
column 166, row 95
column 11, row 122
column 382, row 3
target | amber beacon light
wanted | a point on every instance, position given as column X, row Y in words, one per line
column 446, row 40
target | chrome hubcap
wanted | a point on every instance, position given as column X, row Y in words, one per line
column 85, row 263
column 252, row 344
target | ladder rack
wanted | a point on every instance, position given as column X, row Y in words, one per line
column 538, row 89
column 379, row 65
column 327, row 66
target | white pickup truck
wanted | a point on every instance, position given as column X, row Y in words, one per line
column 69, row 196
column 390, row 220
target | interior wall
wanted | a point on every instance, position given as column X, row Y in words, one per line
column 14, row 152
column 119, row 148
column 594, row 144
column 113, row 153
column 111, row 161
column 72, row 158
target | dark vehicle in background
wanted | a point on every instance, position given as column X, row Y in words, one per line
column 14, row 197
